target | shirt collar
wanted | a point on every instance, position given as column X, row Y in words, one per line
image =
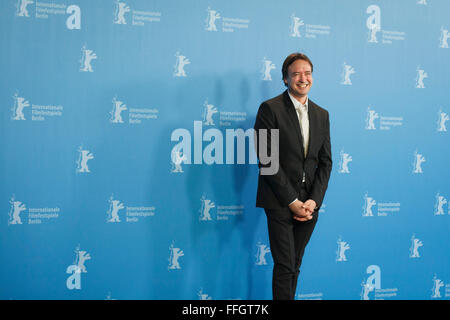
column 298, row 104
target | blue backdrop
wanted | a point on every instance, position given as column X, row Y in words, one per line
column 115, row 181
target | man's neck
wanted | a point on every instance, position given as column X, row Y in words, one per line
column 301, row 99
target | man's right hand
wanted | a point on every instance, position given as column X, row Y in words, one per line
column 300, row 213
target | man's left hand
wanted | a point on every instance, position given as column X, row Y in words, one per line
column 309, row 205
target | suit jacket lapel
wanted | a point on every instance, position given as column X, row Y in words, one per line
column 294, row 118
column 312, row 115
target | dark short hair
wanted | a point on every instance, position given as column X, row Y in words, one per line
column 290, row 59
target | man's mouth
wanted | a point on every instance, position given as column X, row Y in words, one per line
column 303, row 85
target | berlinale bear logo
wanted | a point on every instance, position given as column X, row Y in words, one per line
column 76, row 269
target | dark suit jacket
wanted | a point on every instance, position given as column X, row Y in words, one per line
column 280, row 189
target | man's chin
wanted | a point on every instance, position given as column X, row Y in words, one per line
column 299, row 94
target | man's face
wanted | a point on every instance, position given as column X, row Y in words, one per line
column 299, row 79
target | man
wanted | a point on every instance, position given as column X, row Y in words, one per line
column 292, row 196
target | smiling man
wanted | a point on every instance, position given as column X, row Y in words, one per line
column 292, row 196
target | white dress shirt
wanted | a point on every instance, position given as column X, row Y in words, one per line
column 302, row 114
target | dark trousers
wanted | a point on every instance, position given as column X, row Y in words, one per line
column 288, row 239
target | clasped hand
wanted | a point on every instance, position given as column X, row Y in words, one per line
column 302, row 211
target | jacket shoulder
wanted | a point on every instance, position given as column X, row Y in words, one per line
column 275, row 100
column 318, row 108
column 274, row 103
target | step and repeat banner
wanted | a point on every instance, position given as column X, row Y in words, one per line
column 127, row 162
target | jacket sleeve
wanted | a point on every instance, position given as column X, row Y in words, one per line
column 278, row 181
